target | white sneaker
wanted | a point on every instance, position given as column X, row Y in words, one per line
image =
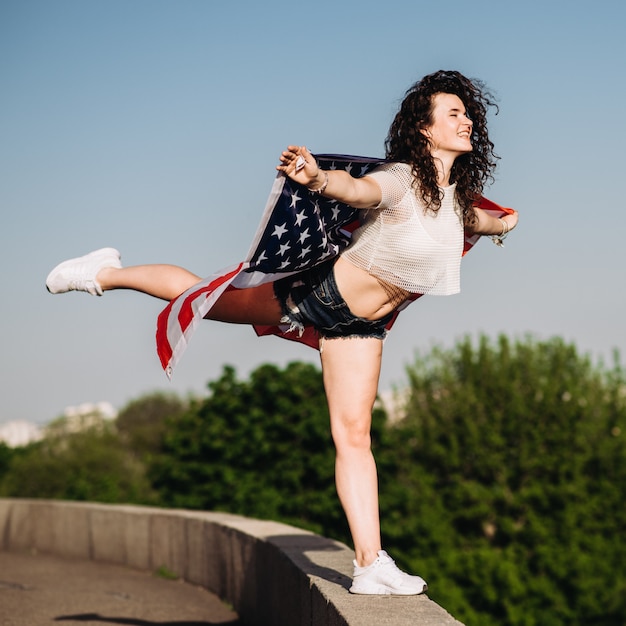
column 384, row 578
column 80, row 274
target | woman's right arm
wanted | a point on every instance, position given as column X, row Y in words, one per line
column 300, row 165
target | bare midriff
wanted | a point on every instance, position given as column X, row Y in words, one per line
column 367, row 296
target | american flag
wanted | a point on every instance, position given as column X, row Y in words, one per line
column 298, row 230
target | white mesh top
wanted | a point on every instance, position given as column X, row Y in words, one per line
column 406, row 245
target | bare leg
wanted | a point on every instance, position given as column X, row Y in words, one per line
column 161, row 281
column 256, row 305
column 351, row 368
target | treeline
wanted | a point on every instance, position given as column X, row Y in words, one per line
column 502, row 472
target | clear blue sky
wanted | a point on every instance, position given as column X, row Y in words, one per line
column 154, row 126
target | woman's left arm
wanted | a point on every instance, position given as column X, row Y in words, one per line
column 489, row 225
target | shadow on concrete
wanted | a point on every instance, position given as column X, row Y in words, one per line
column 303, row 550
column 131, row 621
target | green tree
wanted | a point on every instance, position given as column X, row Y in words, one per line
column 260, row 447
column 87, row 465
column 506, row 483
column 6, row 454
column 142, row 423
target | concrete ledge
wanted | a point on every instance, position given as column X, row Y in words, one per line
column 272, row 574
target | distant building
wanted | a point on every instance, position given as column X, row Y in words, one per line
column 19, row 433
column 104, row 410
column 74, row 419
column 394, row 403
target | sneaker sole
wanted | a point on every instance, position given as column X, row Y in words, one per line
column 384, row 590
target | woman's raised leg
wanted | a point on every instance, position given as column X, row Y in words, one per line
column 161, row 281
column 255, row 305
column 101, row 270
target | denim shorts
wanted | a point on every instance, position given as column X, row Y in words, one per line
column 311, row 298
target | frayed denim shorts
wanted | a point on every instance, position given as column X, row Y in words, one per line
column 311, row 298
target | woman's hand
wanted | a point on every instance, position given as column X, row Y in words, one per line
column 511, row 220
column 300, row 165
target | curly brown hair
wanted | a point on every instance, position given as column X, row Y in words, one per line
column 407, row 144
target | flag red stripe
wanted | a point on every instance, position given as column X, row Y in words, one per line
column 185, row 316
column 164, row 349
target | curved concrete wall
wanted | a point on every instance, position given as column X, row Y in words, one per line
column 272, row 574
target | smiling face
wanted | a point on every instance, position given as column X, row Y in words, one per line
column 451, row 130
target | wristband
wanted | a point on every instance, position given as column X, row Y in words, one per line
column 499, row 239
column 321, row 189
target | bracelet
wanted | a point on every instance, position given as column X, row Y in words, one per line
column 499, row 239
column 321, row 189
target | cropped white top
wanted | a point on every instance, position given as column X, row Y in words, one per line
column 403, row 243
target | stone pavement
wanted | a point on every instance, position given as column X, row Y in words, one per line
column 39, row 590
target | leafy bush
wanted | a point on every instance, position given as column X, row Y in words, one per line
column 260, row 447
column 86, row 465
column 505, row 484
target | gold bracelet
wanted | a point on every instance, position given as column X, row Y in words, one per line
column 499, row 239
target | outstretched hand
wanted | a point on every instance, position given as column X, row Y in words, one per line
column 299, row 164
column 511, row 219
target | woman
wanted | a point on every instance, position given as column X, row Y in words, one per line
column 418, row 206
